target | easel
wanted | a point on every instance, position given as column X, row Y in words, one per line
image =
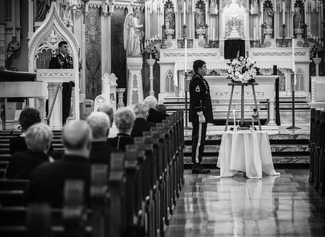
column 242, row 102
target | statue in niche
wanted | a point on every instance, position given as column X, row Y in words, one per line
column 133, row 34
column 169, row 17
column 199, row 17
column 268, row 15
column 297, row 17
column 42, row 8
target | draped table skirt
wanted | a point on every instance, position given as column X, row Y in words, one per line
column 245, row 151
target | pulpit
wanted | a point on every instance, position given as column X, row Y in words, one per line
column 54, row 79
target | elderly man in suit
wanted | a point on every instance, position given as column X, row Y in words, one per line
column 140, row 123
column 101, row 150
column 47, row 180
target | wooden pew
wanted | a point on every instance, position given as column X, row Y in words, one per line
column 317, row 150
column 321, row 169
column 312, row 144
column 11, row 198
column 13, row 184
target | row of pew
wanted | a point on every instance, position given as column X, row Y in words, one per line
column 136, row 197
column 317, row 150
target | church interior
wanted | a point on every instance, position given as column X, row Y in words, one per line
column 122, row 52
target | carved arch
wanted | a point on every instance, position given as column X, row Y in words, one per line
column 47, row 37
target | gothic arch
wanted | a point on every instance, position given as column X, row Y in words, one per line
column 47, row 37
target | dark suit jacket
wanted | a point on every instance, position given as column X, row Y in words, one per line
column 141, row 125
column 101, row 153
column 21, row 164
column 120, row 141
column 155, row 116
column 47, row 180
column 18, row 144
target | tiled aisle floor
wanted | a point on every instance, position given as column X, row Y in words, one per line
column 273, row 206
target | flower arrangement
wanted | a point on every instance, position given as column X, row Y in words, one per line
column 152, row 50
column 242, row 70
column 316, row 49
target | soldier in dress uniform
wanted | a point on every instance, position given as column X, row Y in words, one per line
column 63, row 61
column 200, row 114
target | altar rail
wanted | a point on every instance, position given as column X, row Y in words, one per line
column 134, row 198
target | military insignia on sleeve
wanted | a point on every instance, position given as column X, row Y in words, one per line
column 197, row 89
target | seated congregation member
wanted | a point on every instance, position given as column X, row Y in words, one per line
column 124, row 120
column 47, row 180
column 38, row 139
column 154, row 116
column 100, row 149
column 161, row 108
column 140, row 123
column 27, row 118
column 108, row 109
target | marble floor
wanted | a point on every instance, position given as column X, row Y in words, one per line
column 285, row 205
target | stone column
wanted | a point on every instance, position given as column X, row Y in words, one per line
column 151, row 62
column 30, row 19
column 120, row 92
column 134, row 84
column 317, row 62
column 106, row 43
column 271, row 120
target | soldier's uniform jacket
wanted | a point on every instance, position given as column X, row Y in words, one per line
column 200, row 99
column 61, row 62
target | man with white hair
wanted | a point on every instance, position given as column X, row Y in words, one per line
column 154, row 116
column 47, row 180
column 101, row 150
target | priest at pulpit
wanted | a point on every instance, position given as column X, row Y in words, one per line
column 63, row 61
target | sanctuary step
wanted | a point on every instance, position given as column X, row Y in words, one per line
column 286, row 148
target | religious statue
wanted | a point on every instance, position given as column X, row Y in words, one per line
column 42, row 8
column 199, row 17
column 169, row 18
column 268, row 16
column 297, row 18
column 133, row 34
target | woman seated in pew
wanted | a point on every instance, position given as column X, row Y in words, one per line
column 38, row 139
column 28, row 117
column 124, row 121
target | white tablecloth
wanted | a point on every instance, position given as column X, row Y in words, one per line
column 245, row 151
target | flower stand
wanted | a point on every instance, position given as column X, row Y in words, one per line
column 242, row 102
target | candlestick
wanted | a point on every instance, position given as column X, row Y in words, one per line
column 184, row 16
column 213, row 33
column 206, row 13
column 283, row 12
column 293, row 56
column 234, row 115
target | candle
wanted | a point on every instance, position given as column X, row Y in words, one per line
column 206, row 13
column 213, row 33
column 184, row 13
column 305, row 13
column 293, row 55
column 254, row 33
column 185, row 67
column 234, row 115
column 283, row 12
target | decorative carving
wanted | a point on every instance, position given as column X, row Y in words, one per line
column 169, row 16
column 234, row 13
